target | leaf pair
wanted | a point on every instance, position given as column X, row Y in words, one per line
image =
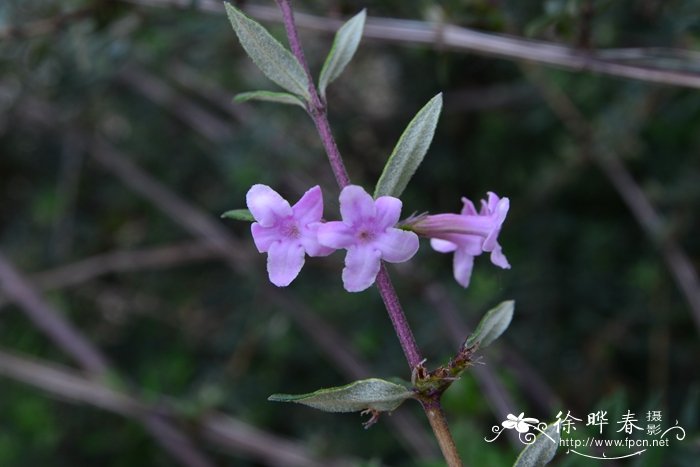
column 280, row 66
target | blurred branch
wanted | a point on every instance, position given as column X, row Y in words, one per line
column 49, row 321
column 44, row 26
column 677, row 261
column 71, row 341
column 226, row 432
column 464, row 39
column 120, row 261
column 186, row 110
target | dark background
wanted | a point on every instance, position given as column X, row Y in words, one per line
column 120, row 147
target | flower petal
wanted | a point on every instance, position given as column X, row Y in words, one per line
column 397, row 245
column 356, row 205
column 388, row 211
column 309, row 240
column 309, row 208
column 443, row 246
column 267, row 205
column 522, row 427
column 498, row 258
column 468, row 208
column 284, row 261
column 336, row 234
column 361, row 268
column 264, row 236
column 462, row 267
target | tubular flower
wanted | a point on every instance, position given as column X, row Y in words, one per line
column 286, row 233
column 367, row 233
column 467, row 234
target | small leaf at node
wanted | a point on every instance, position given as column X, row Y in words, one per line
column 410, row 150
column 270, row 96
column 542, row 450
column 276, row 62
column 492, row 325
column 239, row 215
column 368, row 394
column 344, row 46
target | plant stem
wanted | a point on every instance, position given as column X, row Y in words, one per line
column 319, row 114
column 438, row 423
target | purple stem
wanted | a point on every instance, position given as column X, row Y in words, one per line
column 318, row 113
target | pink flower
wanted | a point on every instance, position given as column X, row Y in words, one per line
column 367, row 232
column 467, row 234
column 285, row 232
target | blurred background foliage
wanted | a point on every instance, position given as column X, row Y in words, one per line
column 183, row 311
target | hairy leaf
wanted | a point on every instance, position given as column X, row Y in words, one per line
column 376, row 394
column 344, row 46
column 276, row 62
column 270, row 96
column 492, row 325
column 239, row 215
column 410, row 150
column 542, row 450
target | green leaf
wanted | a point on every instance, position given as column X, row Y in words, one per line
column 344, row 46
column 276, row 62
column 270, row 96
column 492, row 325
column 542, row 450
column 239, row 215
column 410, row 150
column 375, row 394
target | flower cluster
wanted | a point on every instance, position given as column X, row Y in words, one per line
column 368, row 231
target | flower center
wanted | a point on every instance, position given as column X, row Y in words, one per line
column 365, row 235
column 290, row 229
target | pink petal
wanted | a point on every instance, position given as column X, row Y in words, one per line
column 468, row 208
column 310, row 207
column 462, row 267
column 310, row 241
column 284, row 261
column 356, row 205
column 263, row 236
column 388, row 211
column 267, row 205
column 443, row 246
column 361, row 268
column 397, row 245
column 336, row 235
column 471, row 244
column 499, row 259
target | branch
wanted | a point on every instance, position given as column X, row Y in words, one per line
column 71, row 341
column 677, row 261
column 44, row 26
column 463, row 39
column 226, row 432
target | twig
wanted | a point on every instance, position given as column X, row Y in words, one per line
column 44, row 26
column 50, row 322
column 464, row 39
column 677, row 261
column 186, row 110
column 70, row 340
column 227, row 433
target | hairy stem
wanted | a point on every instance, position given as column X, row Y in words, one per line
column 317, row 110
